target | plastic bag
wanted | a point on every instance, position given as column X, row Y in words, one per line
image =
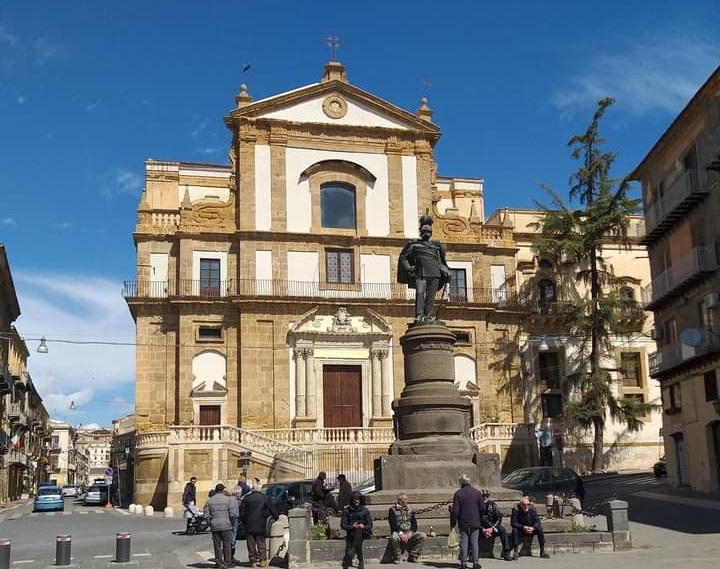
column 453, row 541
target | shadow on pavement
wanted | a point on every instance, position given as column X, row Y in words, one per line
column 675, row 517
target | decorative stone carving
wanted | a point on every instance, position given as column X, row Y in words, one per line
column 204, row 215
column 334, row 107
column 341, row 321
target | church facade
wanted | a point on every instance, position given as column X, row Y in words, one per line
column 267, row 309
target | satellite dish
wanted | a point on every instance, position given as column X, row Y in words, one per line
column 691, row 337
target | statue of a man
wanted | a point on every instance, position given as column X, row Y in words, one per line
column 422, row 266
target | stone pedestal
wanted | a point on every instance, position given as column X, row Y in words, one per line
column 432, row 421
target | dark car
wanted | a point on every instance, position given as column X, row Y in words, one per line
column 660, row 468
column 286, row 495
column 538, row 481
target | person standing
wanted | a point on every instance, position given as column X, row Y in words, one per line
column 221, row 509
column 318, row 498
column 357, row 522
column 344, row 492
column 491, row 524
column 404, row 533
column 467, row 509
column 189, row 501
column 525, row 521
column 255, row 509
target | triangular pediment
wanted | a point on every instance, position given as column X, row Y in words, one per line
column 341, row 322
column 337, row 103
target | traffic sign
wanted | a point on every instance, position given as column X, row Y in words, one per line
column 109, row 471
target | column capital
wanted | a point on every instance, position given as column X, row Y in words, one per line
column 379, row 353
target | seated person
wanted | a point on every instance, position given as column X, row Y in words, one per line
column 491, row 524
column 525, row 521
column 404, row 533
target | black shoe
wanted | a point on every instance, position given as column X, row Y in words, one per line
column 515, row 554
column 544, row 554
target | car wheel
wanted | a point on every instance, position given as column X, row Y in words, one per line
column 190, row 530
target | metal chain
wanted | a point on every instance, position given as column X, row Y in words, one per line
column 590, row 511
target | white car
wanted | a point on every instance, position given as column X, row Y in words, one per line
column 69, row 491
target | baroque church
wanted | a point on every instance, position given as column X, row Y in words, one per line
column 267, row 306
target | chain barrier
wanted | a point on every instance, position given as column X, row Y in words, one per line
column 589, row 511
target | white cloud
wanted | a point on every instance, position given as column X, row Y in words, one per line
column 199, row 128
column 7, row 37
column 90, row 337
column 91, row 107
column 64, row 225
column 8, row 221
column 44, row 49
column 121, row 181
column 91, row 426
column 645, row 77
column 211, row 149
column 20, row 100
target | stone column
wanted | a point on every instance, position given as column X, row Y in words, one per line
column 616, row 512
column 299, row 522
column 300, row 382
column 387, row 390
column 310, row 405
column 376, row 382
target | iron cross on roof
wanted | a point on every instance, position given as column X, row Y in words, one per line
column 333, row 42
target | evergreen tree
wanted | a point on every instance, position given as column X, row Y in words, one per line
column 579, row 235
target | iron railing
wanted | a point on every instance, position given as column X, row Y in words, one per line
column 698, row 261
column 687, row 185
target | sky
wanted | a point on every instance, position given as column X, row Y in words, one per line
column 89, row 90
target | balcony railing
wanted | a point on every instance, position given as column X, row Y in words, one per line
column 307, row 289
column 697, row 263
column 677, row 353
column 15, row 411
column 687, row 189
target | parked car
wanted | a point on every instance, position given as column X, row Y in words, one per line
column 97, row 495
column 69, row 491
column 48, row 498
column 538, row 481
column 286, row 495
column 660, row 468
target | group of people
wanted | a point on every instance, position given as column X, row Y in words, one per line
column 226, row 510
column 477, row 516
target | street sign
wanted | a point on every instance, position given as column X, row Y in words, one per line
column 109, row 471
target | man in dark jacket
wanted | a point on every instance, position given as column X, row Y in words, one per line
column 491, row 524
column 255, row 509
column 221, row 509
column 344, row 491
column 467, row 509
column 189, row 501
column 404, row 533
column 318, row 498
column 357, row 522
column 525, row 521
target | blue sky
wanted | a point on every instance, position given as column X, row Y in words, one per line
column 89, row 90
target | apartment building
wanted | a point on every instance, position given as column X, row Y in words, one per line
column 95, row 445
column 680, row 179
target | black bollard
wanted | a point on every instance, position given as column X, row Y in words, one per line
column 63, row 544
column 122, row 548
column 5, row 553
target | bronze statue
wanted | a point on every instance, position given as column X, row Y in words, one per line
column 422, row 266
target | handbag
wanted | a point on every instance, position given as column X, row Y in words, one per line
column 453, row 541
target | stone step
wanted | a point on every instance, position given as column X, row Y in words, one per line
column 433, row 496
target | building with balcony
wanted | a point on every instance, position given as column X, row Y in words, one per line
column 95, row 445
column 680, row 179
column 547, row 353
column 67, row 463
column 266, row 305
column 122, row 456
column 23, row 418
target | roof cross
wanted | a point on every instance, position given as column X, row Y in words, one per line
column 333, row 42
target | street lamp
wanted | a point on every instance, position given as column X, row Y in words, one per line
column 42, row 348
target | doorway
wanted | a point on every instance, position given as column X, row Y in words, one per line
column 716, row 448
column 342, row 396
column 209, row 415
column 683, row 475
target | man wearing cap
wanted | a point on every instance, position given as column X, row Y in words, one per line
column 491, row 524
column 404, row 533
column 222, row 510
column 467, row 510
column 525, row 521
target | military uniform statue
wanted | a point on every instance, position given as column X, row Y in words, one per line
column 422, row 266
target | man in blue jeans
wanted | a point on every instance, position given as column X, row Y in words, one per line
column 467, row 511
column 525, row 521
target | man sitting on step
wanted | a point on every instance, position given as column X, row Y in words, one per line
column 525, row 521
column 491, row 524
column 404, row 534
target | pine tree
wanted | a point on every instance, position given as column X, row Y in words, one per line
column 579, row 234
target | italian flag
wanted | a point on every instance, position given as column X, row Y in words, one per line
column 16, row 440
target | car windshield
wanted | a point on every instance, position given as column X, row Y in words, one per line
column 94, row 489
column 68, row 486
column 273, row 490
column 48, row 491
column 518, row 476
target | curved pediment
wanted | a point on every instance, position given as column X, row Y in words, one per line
column 341, row 322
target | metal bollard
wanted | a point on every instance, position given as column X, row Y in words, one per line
column 5, row 553
column 63, row 544
column 122, row 548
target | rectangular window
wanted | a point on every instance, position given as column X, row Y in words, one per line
column 339, row 266
column 549, row 369
column 675, row 396
column 462, row 337
column 210, row 277
column 551, row 405
column 639, row 397
column 458, row 285
column 711, row 386
column 630, row 369
column 209, row 333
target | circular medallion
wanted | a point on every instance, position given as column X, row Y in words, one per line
column 335, row 107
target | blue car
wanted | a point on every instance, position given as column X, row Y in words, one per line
column 48, row 498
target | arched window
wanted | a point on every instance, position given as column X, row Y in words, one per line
column 546, row 295
column 545, row 264
column 337, row 206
